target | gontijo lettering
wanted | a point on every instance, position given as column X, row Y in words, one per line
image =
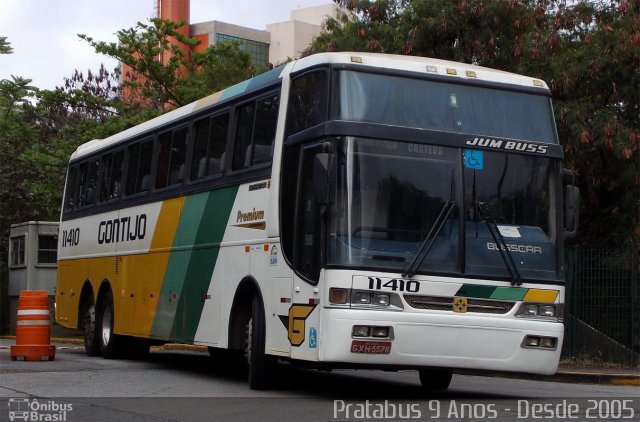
column 123, row 229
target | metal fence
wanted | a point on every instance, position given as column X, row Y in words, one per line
column 602, row 310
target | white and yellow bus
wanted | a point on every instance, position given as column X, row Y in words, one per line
column 345, row 210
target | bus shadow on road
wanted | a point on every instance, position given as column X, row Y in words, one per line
column 343, row 384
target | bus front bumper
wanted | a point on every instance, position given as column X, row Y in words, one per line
column 441, row 340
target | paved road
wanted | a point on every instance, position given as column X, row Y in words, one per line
column 182, row 385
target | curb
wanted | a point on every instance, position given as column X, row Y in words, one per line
column 168, row 346
column 567, row 376
column 597, row 378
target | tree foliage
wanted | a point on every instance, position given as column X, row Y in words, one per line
column 39, row 129
column 5, row 46
column 587, row 51
column 162, row 73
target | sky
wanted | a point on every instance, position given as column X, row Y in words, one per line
column 46, row 47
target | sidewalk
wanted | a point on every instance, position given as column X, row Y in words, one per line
column 569, row 374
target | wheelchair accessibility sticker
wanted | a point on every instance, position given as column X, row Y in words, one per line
column 473, row 159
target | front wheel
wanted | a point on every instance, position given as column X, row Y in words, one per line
column 435, row 379
column 262, row 367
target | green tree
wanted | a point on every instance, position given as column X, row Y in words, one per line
column 588, row 52
column 5, row 47
column 178, row 78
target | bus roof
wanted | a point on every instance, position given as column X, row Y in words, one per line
column 384, row 61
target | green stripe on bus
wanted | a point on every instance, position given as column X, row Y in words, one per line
column 195, row 249
column 203, row 259
column 509, row 293
column 492, row 292
column 474, row 290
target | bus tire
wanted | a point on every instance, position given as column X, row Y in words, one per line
column 89, row 331
column 433, row 379
column 109, row 342
column 262, row 367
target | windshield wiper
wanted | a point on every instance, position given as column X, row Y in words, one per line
column 505, row 254
column 428, row 241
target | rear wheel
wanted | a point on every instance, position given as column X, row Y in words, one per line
column 109, row 342
column 435, row 379
column 89, row 331
column 262, row 367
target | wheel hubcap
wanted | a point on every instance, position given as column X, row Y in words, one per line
column 107, row 320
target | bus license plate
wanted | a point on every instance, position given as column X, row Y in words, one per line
column 373, row 347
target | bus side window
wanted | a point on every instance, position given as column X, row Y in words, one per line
column 88, row 183
column 209, row 145
column 162, row 164
column 69, row 196
column 308, row 101
column 132, row 172
column 199, row 161
column 178, row 155
column 264, row 131
column 139, row 168
column 115, row 183
column 255, row 132
column 144, row 169
column 105, row 177
column 172, row 148
column 244, row 131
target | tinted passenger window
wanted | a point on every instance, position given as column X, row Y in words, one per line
column 255, row 132
column 209, row 145
column 139, row 170
column 264, row 132
column 244, row 130
column 88, row 183
column 171, row 156
column 112, row 168
column 70, row 194
column 308, row 105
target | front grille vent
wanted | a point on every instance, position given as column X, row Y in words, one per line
column 445, row 303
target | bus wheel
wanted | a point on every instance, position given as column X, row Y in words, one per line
column 90, row 334
column 435, row 379
column 262, row 367
column 108, row 340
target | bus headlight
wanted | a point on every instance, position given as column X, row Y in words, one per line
column 365, row 299
column 361, row 298
column 361, row 331
column 380, row 299
column 547, row 311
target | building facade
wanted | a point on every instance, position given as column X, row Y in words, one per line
column 278, row 43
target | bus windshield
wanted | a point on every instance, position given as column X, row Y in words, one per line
column 389, row 196
column 450, row 107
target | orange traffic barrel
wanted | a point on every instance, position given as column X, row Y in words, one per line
column 33, row 334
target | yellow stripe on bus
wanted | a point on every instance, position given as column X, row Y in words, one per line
column 539, row 295
column 145, row 273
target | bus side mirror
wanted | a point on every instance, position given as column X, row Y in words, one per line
column 571, row 208
column 321, row 179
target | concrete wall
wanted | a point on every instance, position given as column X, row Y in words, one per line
column 289, row 39
column 32, row 275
